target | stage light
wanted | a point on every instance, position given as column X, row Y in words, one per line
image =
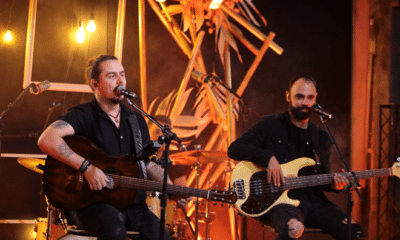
column 160, row 0
column 8, row 37
column 215, row 4
column 80, row 36
column 91, row 27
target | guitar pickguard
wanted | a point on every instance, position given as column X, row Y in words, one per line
column 262, row 194
column 256, row 197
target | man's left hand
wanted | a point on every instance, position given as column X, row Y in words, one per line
column 180, row 200
column 340, row 181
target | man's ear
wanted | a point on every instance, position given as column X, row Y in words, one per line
column 93, row 83
column 287, row 93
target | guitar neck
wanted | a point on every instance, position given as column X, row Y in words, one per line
column 147, row 185
column 326, row 179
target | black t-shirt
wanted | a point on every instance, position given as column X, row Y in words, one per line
column 303, row 147
column 90, row 121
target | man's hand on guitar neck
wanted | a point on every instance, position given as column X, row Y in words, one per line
column 96, row 178
column 340, row 181
column 275, row 173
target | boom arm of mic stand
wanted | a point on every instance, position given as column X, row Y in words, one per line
column 351, row 176
column 10, row 106
column 212, row 79
column 169, row 135
column 167, row 131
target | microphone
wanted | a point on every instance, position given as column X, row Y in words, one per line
column 318, row 109
column 203, row 78
column 39, row 88
column 122, row 91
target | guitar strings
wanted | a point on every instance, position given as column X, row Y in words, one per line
column 290, row 182
column 175, row 189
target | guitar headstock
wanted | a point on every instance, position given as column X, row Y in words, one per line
column 396, row 169
column 228, row 196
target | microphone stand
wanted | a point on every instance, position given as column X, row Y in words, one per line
column 165, row 162
column 354, row 185
column 10, row 105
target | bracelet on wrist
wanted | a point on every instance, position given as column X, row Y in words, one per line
column 84, row 166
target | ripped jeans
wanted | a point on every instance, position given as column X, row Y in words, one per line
column 313, row 213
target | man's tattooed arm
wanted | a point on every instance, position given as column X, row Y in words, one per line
column 156, row 173
column 65, row 150
column 60, row 124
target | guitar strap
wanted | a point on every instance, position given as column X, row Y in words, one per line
column 137, row 136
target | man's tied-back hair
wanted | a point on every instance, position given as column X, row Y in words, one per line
column 295, row 79
column 93, row 71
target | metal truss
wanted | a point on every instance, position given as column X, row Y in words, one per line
column 388, row 221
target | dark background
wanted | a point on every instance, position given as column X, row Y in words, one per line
column 315, row 36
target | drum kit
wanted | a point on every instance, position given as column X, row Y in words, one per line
column 178, row 224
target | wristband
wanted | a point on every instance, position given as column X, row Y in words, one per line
column 85, row 165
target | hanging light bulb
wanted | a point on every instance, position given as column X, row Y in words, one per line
column 215, row 4
column 8, row 37
column 91, row 27
column 80, row 36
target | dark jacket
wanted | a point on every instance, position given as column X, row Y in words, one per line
column 274, row 136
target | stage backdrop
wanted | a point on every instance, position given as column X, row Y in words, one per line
column 315, row 36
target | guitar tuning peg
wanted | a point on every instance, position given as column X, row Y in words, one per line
column 222, row 204
column 215, row 203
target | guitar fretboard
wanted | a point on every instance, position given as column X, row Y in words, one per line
column 325, row 179
column 147, row 185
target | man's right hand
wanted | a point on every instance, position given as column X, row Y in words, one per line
column 275, row 172
column 95, row 178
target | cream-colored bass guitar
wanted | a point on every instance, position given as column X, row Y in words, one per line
column 255, row 196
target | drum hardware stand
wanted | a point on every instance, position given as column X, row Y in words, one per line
column 167, row 139
column 50, row 209
column 207, row 218
column 196, row 232
column 187, row 218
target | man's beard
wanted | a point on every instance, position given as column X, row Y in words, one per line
column 116, row 101
column 298, row 114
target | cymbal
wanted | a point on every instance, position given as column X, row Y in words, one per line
column 33, row 164
column 191, row 157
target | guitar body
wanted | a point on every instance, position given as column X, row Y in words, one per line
column 67, row 189
column 253, row 197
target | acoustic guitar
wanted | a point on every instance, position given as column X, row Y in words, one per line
column 67, row 189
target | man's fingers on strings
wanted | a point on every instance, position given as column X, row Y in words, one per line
column 269, row 176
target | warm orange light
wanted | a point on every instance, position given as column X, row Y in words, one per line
column 91, row 27
column 8, row 37
column 160, row 0
column 215, row 4
column 80, row 36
